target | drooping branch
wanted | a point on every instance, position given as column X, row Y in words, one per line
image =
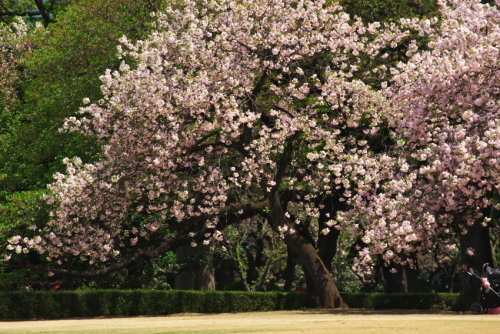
column 229, row 215
column 167, row 245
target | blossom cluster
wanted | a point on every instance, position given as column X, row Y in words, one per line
column 11, row 46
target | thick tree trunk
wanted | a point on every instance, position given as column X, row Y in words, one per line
column 477, row 239
column 323, row 292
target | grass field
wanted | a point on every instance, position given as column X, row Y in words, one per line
column 308, row 321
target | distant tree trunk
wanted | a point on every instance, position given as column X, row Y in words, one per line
column 410, row 279
column 393, row 276
column 223, row 275
column 400, row 278
column 201, row 278
column 430, row 280
column 370, row 284
column 477, row 240
column 256, row 259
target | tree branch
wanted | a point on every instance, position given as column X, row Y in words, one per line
column 229, row 215
column 43, row 11
column 285, row 159
column 165, row 246
column 252, row 105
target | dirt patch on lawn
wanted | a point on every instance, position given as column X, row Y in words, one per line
column 357, row 321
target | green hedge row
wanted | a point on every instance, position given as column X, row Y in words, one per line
column 93, row 303
column 75, row 304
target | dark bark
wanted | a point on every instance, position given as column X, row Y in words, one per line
column 256, row 258
column 430, row 279
column 478, row 239
column 289, row 272
column 321, row 290
column 327, row 247
column 410, row 279
column 393, row 279
column 43, row 11
column 254, row 264
column 327, row 244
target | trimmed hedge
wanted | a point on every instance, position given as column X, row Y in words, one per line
column 93, row 303
column 125, row 303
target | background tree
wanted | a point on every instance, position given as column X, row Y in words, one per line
column 447, row 129
column 46, row 78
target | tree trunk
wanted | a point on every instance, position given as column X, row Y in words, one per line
column 289, row 273
column 327, row 247
column 393, row 276
column 202, row 278
column 321, row 289
column 323, row 292
column 327, row 244
column 430, row 281
column 410, row 279
column 476, row 239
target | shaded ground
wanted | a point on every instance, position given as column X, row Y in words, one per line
column 308, row 321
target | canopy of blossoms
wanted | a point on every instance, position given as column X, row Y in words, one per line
column 447, row 128
column 228, row 102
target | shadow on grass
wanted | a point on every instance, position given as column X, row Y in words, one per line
column 361, row 311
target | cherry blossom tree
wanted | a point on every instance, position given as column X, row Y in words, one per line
column 447, row 129
column 232, row 110
column 11, row 46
